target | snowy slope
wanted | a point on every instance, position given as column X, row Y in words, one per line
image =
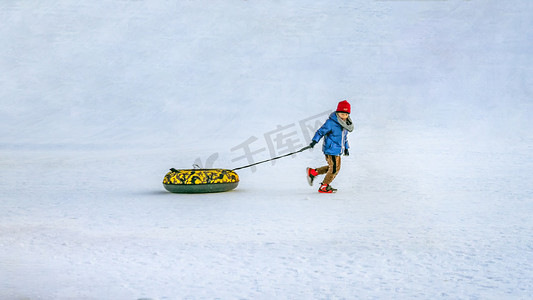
column 98, row 100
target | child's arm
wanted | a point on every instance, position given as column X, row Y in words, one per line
column 346, row 144
column 346, row 147
column 322, row 131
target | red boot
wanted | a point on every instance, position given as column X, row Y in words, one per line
column 311, row 174
column 326, row 189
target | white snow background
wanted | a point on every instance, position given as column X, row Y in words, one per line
column 98, row 99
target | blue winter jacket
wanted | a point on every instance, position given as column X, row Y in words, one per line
column 335, row 136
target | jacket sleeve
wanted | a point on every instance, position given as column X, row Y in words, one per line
column 322, row 131
column 346, row 144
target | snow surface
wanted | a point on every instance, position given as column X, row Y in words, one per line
column 100, row 98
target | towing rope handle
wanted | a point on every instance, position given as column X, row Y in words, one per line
column 264, row 161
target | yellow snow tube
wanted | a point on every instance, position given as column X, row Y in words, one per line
column 200, row 180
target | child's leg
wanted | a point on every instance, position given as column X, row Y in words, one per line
column 323, row 170
column 331, row 170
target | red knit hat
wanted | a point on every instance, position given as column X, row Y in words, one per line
column 344, row 107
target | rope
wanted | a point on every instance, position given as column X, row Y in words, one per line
column 264, row 161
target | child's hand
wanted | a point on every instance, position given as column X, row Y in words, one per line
column 313, row 143
column 346, row 152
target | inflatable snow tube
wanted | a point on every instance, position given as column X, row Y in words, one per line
column 200, row 181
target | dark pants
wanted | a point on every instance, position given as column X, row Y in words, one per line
column 331, row 170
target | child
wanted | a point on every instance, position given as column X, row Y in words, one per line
column 335, row 131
